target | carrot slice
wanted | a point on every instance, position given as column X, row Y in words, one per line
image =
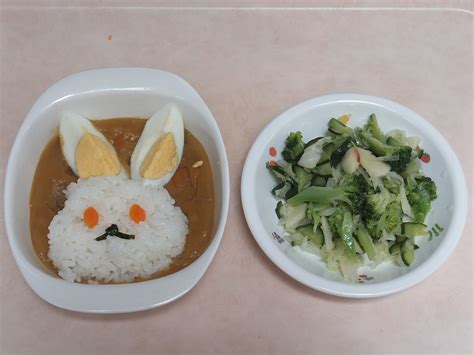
column 137, row 213
column 90, row 217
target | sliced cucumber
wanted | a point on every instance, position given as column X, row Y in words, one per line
column 318, row 237
column 305, row 230
column 400, row 238
column 312, row 141
column 375, row 128
column 337, row 127
column 280, row 210
column 393, row 142
column 310, row 247
column 315, row 236
column 324, row 169
column 281, row 174
column 295, row 239
column 278, row 187
column 366, row 242
column 318, row 181
column 408, row 251
column 412, row 230
column 395, row 249
column 326, row 154
column 339, row 153
column 377, row 146
column 281, row 189
column 291, row 192
column 294, row 216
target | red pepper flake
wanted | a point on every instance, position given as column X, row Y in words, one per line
column 273, row 163
column 272, row 151
column 425, row 158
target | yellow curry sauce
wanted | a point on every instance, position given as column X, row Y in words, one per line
column 192, row 189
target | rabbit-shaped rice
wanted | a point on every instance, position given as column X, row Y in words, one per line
column 114, row 246
column 77, row 254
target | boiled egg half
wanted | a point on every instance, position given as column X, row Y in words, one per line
column 85, row 149
column 160, row 147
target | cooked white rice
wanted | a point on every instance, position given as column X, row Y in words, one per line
column 77, row 255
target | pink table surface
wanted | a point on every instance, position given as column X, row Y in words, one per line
column 250, row 62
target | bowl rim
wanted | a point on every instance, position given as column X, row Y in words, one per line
column 97, row 81
column 359, row 290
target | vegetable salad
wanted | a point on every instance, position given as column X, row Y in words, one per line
column 355, row 197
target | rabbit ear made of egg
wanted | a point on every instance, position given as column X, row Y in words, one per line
column 86, row 150
column 159, row 148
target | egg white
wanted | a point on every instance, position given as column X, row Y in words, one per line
column 71, row 129
column 168, row 119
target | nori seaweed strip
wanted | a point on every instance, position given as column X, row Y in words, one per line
column 123, row 235
column 113, row 231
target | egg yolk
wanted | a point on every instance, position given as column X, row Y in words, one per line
column 161, row 158
column 94, row 157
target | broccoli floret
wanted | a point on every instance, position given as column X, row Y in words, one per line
column 390, row 220
column 420, row 197
column 294, row 147
column 428, row 185
column 357, row 188
column 379, row 201
column 392, row 217
column 352, row 191
column 353, row 183
column 404, row 157
column 371, row 225
column 357, row 191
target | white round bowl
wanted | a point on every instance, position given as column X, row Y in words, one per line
column 311, row 117
column 105, row 93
